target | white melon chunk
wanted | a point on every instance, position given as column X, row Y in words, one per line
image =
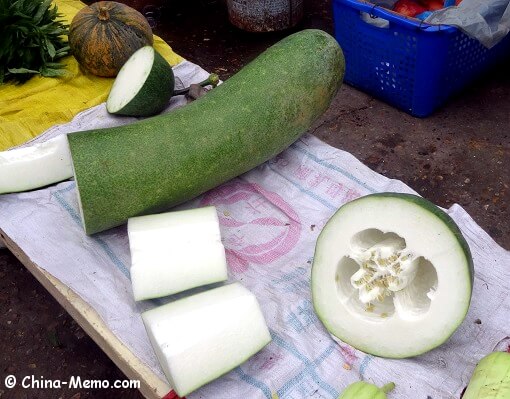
column 36, row 166
column 175, row 251
column 201, row 337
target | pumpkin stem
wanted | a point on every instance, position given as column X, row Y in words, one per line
column 388, row 387
column 104, row 15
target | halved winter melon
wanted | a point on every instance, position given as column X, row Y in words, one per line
column 392, row 275
column 144, row 85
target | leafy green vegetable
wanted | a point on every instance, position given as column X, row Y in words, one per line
column 31, row 39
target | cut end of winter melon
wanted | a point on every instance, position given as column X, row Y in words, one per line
column 201, row 337
column 36, row 166
column 175, row 251
column 143, row 86
column 392, row 275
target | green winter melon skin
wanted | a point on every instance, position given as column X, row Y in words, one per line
column 151, row 165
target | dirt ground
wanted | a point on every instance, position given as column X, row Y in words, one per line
column 459, row 155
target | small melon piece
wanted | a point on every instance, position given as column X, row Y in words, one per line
column 491, row 379
column 144, row 85
column 392, row 275
column 201, row 337
column 175, row 251
column 364, row 390
column 36, row 166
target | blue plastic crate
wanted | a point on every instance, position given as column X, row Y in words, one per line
column 409, row 64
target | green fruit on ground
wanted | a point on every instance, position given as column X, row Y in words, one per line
column 149, row 166
column 364, row 390
column 491, row 378
column 392, row 275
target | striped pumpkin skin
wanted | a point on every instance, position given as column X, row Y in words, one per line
column 105, row 34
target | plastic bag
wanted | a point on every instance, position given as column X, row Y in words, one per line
column 486, row 21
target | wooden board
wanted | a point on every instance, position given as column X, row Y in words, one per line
column 151, row 386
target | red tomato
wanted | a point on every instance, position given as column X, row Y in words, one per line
column 432, row 5
column 435, row 5
column 409, row 8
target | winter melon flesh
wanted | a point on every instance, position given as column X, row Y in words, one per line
column 201, row 337
column 35, row 166
column 175, row 251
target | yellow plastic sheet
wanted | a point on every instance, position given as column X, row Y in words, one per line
column 28, row 109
